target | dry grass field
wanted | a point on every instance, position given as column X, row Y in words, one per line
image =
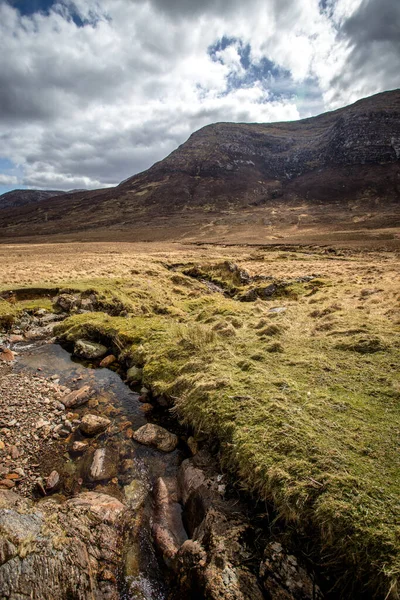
column 290, row 359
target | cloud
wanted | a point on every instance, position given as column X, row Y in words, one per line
column 8, row 179
column 94, row 91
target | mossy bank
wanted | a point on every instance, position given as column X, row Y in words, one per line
column 299, row 386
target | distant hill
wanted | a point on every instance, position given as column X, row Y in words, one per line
column 17, row 198
column 339, row 170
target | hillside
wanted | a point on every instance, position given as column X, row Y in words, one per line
column 337, row 172
column 18, row 198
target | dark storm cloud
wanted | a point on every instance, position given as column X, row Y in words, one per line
column 373, row 36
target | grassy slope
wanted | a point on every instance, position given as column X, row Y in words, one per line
column 305, row 403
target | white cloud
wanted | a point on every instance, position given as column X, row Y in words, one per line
column 8, row 179
column 90, row 106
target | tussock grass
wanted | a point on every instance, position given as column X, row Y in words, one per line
column 305, row 407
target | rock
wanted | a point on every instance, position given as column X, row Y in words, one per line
column 134, row 375
column 53, row 482
column 67, row 302
column 104, row 464
column 92, row 424
column 89, row 350
column 77, row 397
column 6, row 355
column 52, row 550
column 135, row 494
column 7, row 483
column 146, row 407
column 192, row 445
column 168, row 531
column 283, row 578
column 108, row 360
column 15, row 338
column 277, row 310
column 154, row 435
column 14, row 452
column 79, row 447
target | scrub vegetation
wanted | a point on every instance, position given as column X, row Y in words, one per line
column 300, row 386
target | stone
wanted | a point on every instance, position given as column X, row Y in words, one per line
column 135, row 494
column 168, row 530
column 89, row 350
column 79, row 447
column 108, row 360
column 7, row 483
column 14, row 452
column 192, row 445
column 67, row 302
column 55, row 550
column 156, row 436
column 15, row 338
column 6, row 355
column 134, row 375
column 104, row 465
column 92, row 424
column 146, row 407
column 283, row 578
column 53, row 481
column 77, row 397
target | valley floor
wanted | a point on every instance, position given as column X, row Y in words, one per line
column 287, row 356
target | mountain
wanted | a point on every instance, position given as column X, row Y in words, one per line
column 17, row 198
column 338, row 171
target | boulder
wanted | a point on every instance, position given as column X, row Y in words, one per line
column 89, row 350
column 108, row 360
column 55, row 550
column 67, row 302
column 156, row 436
column 53, row 482
column 135, row 494
column 92, row 424
column 6, row 355
column 168, row 530
column 77, row 397
column 283, row 578
column 104, row 465
column 134, row 375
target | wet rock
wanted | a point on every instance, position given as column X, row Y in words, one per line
column 79, row 447
column 53, row 482
column 92, row 424
column 6, row 355
column 168, row 531
column 192, row 445
column 54, row 550
column 67, row 302
column 283, row 578
column 89, row 350
column 7, row 483
column 135, row 494
column 156, row 436
column 146, row 407
column 108, row 360
column 104, row 465
column 15, row 338
column 77, row 397
column 134, row 375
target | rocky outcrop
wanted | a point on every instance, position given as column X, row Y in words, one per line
column 56, row 550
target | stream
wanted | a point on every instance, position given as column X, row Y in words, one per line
column 144, row 575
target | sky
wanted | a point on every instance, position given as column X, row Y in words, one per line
column 94, row 91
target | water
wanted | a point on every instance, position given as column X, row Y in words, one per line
column 143, row 576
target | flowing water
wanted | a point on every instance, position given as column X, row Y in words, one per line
column 143, row 576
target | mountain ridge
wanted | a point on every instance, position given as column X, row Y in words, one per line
column 338, row 169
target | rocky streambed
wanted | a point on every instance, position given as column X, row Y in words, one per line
column 104, row 495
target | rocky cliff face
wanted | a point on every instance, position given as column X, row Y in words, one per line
column 347, row 160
